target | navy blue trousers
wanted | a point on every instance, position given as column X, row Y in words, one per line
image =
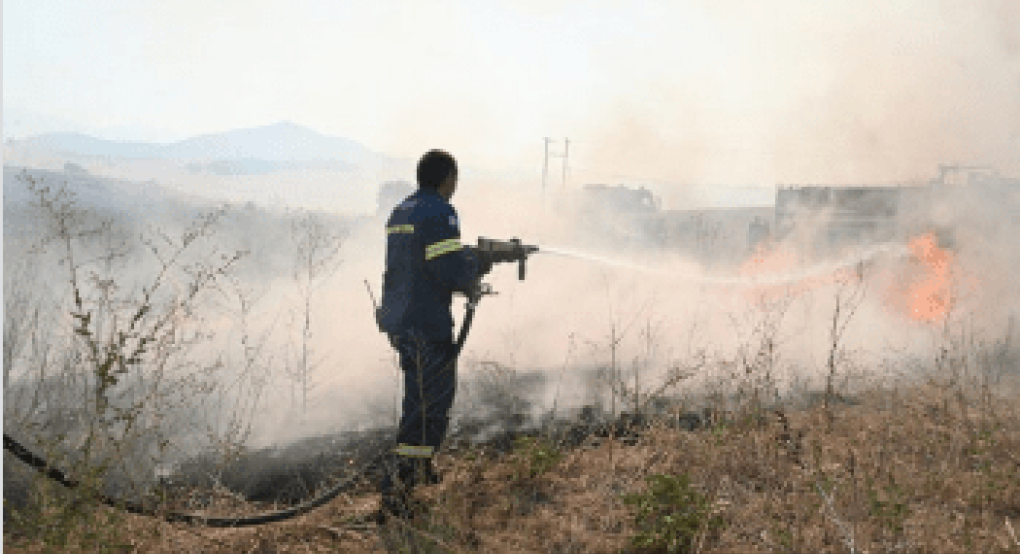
column 430, row 380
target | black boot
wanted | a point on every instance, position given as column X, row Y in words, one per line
column 432, row 476
column 397, row 487
column 398, row 504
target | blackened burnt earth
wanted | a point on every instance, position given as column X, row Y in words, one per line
column 286, row 475
column 294, row 473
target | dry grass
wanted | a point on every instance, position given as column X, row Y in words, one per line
column 929, row 467
column 920, row 469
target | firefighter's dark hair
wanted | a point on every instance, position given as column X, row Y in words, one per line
column 434, row 167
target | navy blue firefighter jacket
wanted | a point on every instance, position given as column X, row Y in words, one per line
column 425, row 264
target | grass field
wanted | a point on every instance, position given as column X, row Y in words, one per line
column 917, row 452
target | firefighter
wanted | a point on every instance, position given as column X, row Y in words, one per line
column 425, row 264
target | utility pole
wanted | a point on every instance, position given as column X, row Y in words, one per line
column 545, row 162
column 566, row 152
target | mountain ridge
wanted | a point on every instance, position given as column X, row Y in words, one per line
column 284, row 141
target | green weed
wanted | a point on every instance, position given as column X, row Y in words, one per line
column 671, row 514
column 535, row 456
column 891, row 511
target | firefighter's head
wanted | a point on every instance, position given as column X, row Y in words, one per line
column 437, row 170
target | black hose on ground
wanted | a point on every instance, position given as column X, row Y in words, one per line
column 42, row 466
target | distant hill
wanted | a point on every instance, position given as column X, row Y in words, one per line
column 256, row 150
column 280, row 142
column 85, row 145
column 95, row 191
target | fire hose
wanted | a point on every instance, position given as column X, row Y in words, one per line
column 489, row 251
column 55, row 474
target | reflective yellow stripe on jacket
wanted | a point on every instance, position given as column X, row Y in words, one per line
column 410, row 451
column 442, row 247
column 400, row 229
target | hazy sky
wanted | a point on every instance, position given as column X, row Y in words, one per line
column 716, row 91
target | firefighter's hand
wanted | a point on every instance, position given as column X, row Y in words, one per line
column 474, row 294
column 484, row 261
column 484, row 266
column 477, row 291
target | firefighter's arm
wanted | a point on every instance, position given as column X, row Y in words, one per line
column 448, row 261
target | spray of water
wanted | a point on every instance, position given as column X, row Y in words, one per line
column 596, row 259
column 777, row 278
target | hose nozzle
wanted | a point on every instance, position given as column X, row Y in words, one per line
column 503, row 251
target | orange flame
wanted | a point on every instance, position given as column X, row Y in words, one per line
column 925, row 291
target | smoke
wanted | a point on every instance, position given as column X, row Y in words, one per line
column 829, row 93
column 665, row 307
column 711, row 92
column 985, row 220
column 780, row 93
column 588, row 301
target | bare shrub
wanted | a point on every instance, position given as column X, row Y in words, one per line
column 107, row 379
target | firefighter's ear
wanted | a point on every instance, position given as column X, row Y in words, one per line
column 448, row 186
